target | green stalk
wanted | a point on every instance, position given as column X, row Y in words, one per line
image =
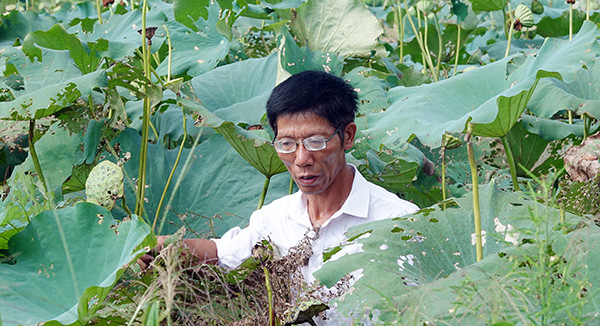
column 474, row 178
column 162, row 198
column 291, row 185
column 511, row 162
column 34, row 157
column 99, row 9
column 141, row 185
column 439, row 34
column 91, row 105
column 420, row 42
column 570, row 38
column 264, row 192
column 587, row 10
column 184, row 170
column 443, row 173
column 570, row 21
column 170, row 53
column 270, row 295
column 457, row 50
column 400, row 21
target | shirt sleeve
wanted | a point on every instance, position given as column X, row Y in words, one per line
column 235, row 246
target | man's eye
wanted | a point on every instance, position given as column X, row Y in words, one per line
column 286, row 143
column 315, row 143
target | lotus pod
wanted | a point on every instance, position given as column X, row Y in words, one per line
column 104, row 184
column 524, row 15
column 537, row 7
column 424, row 5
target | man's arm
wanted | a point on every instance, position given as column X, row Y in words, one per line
column 205, row 251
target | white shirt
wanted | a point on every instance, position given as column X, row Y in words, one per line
column 285, row 222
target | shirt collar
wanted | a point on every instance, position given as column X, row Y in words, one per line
column 357, row 203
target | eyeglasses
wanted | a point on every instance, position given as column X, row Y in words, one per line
column 313, row 144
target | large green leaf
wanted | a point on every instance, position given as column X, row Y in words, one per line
column 253, row 145
column 31, row 76
column 345, row 27
column 196, row 52
column 52, row 98
column 22, row 203
column 17, row 24
column 486, row 96
column 238, row 92
column 295, row 59
column 213, row 192
column 58, row 151
column 488, row 5
column 550, row 26
column 121, row 32
column 67, row 260
column 549, row 129
column 188, row 11
column 430, row 244
column 57, row 38
column 526, row 147
column 581, row 95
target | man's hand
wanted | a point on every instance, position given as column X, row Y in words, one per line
column 147, row 258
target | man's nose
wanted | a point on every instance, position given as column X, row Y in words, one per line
column 303, row 157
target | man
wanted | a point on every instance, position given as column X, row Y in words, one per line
column 312, row 114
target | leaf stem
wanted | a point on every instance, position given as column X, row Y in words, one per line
column 570, row 21
column 291, row 185
column 587, row 10
column 270, row 296
column 141, row 184
column 439, row 34
column 511, row 162
column 261, row 200
column 170, row 53
column 474, row 178
column 99, row 9
column 457, row 51
column 34, row 157
column 162, row 198
column 419, row 37
column 400, row 22
column 443, row 150
column 510, row 30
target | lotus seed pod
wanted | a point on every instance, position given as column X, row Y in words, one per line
column 524, row 15
column 104, row 184
column 424, row 5
column 537, row 7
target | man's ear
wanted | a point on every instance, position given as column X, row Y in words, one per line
column 349, row 134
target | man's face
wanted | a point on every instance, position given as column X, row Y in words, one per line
column 314, row 171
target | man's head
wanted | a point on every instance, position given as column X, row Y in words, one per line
column 315, row 92
column 312, row 114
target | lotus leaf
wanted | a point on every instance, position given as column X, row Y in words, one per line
column 211, row 193
column 345, row 27
column 420, row 248
column 484, row 96
column 66, row 261
column 238, row 92
column 194, row 52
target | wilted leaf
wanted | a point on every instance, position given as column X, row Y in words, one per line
column 583, row 162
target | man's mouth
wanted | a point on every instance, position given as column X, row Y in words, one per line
column 307, row 179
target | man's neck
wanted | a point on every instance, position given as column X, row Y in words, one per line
column 322, row 206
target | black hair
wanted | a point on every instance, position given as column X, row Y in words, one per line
column 315, row 92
